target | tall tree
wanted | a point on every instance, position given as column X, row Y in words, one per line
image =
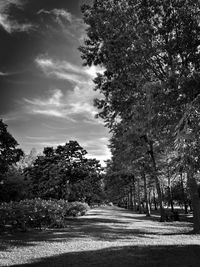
column 140, row 43
column 9, row 153
column 188, row 146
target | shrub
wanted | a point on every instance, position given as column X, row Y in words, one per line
column 77, row 209
column 37, row 213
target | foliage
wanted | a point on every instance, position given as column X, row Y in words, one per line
column 140, row 42
column 65, row 172
column 39, row 213
column 15, row 187
column 9, row 153
column 27, row 160
column 150, row 53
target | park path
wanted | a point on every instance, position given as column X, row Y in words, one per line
column 106, row 236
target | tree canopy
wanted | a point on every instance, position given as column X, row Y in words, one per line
column 9, row 153
column 150, row 87
column 65, row 173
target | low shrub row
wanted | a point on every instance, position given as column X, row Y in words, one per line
column 38, row 213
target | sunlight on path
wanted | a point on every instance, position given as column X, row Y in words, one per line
column 102, row 228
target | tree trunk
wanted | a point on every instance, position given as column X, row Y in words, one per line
column 134, row 197
column 157, row 182
column 139, row 201
column 131, row 198
column 170, row 198
column 128, row 201
column 183, row 192
column 149, row 198
column 154, row 199
column 195, row 201
column 147, row 210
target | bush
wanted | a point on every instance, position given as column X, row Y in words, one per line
column 77, row 209
column 37, row 213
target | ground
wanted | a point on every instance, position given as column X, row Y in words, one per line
column 106, row 236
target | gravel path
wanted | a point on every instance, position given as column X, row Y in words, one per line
column 107, row 236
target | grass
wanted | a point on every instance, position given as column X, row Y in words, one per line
column 106, row 236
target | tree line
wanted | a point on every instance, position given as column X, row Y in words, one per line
column 63, row 172
column 150, row 93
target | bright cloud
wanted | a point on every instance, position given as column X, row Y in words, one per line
column 97, row 148
column 77, row 101
column 66, row 70
column 68, row 106
column 61, row 70
column 3, row 74
column 53, row 100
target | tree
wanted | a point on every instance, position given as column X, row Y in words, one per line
column 65, row 173
column 188, row 145
column 27, row 160
column 9, row 153
column 149, row 49
column 14, row 187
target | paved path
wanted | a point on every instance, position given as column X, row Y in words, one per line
column 107, row 236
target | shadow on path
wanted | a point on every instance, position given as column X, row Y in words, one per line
column 103, row 224
column 154, row 256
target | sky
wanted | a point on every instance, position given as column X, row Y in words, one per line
column 46, row 95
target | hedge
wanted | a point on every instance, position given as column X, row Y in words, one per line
column 38, row 213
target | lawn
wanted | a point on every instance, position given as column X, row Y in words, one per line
column 107, row 236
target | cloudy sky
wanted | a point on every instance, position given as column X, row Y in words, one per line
column 46, row 95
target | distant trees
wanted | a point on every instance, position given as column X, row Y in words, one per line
column 150, row 87
column 59, row 173
column 65, row 173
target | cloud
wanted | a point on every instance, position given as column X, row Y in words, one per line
column 11, row 25
column 68, row 106
column 50, row 112
column 97, row 148
column 4, row 5
column 51, row 127
column 58, row 14
column 60, row 69
column 3, row 73
column 67, row 71
column 52, row 106
column 53, row 100
column 78, row 101
column 40, row 137
column 69, row 24
column 15, row 18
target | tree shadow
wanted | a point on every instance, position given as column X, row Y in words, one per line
column 137, row 256
column 110, row 224
column 98, row 229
